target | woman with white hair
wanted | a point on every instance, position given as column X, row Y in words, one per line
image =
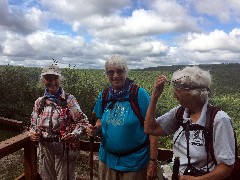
column 187, row 122
column 126, row 152
column 57, row 123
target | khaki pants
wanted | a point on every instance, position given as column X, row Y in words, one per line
column 53, row 162
column 106, row 173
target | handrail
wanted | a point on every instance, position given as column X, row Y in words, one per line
column 22, row 141
column 16, row 143
column 11, row 124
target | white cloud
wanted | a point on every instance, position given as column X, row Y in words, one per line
column 224, row 10
column 148, row 33
column 216, row 40
column 13, row 18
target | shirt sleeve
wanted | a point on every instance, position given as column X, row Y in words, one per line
column 77, row 115
column 98, row 106
column 224, row 141
column 35, row 115
column 168, row 121
column 143, row 101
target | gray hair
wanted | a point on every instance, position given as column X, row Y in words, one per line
column 118, row 61
column 195, row 77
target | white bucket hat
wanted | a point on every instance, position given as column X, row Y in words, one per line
column 52, row 69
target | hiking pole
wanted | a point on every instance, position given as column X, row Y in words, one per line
column 176, row 165
column 92, row 122
column 67, row 151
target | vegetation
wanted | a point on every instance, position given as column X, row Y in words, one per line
column 20, row 87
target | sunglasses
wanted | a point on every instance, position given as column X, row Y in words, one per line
column 118, row 72
column 51, row 77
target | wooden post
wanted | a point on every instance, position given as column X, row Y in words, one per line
column 30, row 161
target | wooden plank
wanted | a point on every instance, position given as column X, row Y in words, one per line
column 21, row 177
column 30, row 160
column 11, row 124
column 85, row 146
column 164, row 154
column 13, row 144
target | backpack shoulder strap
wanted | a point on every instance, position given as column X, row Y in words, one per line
column 179, row 115
column 210, row 115
column 105, row 98
column 133, row 99
column 42, row 104
column 63, row 101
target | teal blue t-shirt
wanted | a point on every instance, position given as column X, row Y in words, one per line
column 121, row 132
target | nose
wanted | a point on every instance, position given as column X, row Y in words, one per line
column 115, row 74
column 51, row 82
column 175, row 93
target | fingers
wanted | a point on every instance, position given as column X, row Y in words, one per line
column 69, row 138
column 152, row 170
column 91, row 131
column 160, row 81
column 35, row 136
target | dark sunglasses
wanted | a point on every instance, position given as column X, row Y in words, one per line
column 118, row 71
column 50, row 77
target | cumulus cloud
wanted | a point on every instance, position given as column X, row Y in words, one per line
column 216, row 40
column 18, row 20
column 148, row 33
column 224, row 10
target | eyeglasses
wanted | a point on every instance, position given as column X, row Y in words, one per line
column 168, row 82
column 50, row 77
column 118, row 72
column 178, row 85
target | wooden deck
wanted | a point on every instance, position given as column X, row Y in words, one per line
column 22, row 141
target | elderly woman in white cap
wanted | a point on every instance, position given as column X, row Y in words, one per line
column 203, row 134
column 57, row 122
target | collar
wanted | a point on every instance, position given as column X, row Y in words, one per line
column 202, row 119
column 63, row 94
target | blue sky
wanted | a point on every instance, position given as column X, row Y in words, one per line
column 148, row 33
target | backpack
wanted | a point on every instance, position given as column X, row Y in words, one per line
column 210, row 116
column 133, row 100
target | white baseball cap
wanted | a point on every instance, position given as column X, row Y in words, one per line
column 52, row 69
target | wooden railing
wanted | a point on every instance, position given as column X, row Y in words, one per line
column 22, row 141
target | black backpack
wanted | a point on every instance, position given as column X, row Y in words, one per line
column 208, row 133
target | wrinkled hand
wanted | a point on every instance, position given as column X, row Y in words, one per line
column 159, row 86
column 68, row 138
column 35, row 136
column 92, row 130
column 152, row 170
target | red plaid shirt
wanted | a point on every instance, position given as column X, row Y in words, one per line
column 59, row 117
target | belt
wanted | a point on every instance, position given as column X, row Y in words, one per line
column 50, row 140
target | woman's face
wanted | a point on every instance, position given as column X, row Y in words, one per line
column 116, row 76
column 52, row 83
column 183, row 96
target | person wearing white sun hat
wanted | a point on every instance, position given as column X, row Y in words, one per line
column 57, row 122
